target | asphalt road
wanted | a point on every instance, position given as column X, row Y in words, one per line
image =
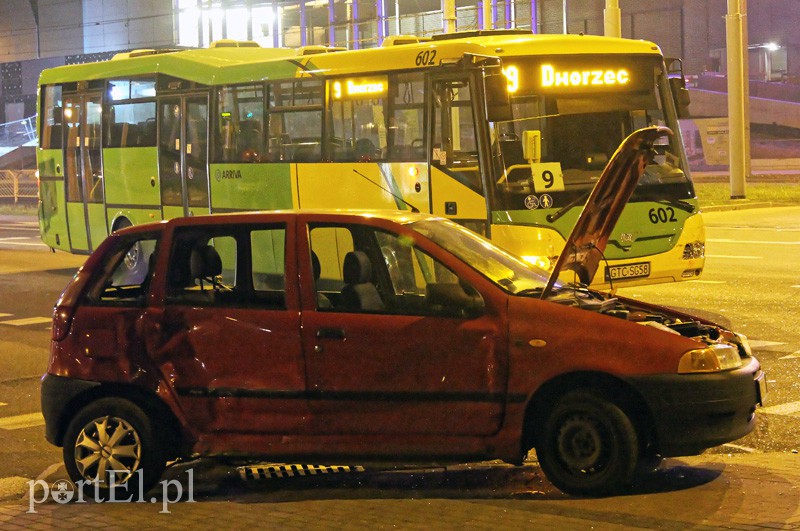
column 751, row 280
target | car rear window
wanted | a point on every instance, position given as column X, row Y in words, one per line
column 126, row 273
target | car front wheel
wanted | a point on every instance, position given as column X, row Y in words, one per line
column 588, row 446
column 110, row 443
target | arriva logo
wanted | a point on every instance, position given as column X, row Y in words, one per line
column 583, row 78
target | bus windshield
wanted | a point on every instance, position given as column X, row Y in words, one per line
column 565, row 130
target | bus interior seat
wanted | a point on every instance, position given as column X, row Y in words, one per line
column 513, row 155
column 359, row 293
column 147, row 132
column 365, row 150
column 306, row 152
column 250, row 137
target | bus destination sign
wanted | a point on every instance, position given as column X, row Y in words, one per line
column 359, row 88
column 565, row 75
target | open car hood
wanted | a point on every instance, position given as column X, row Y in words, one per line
column 587, row 242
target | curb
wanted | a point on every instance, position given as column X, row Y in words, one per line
column 737, row 206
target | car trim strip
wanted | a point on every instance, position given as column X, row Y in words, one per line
column 360, row 396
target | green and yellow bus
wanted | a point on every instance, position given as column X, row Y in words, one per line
column 503, row 131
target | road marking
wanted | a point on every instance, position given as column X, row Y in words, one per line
column 745, row 449
column 3, row 404
column 750, row 241
column 734, row 257
column 792, row 356
column 709, row 281
column 5, row 315
column 789, row 409
column 15, row 238
column 756, row 343
column 22, row 244
column 28, row 321
column 19, row 422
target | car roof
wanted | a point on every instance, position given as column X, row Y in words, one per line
column 328, row 215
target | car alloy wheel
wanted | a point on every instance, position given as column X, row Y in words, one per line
column 113, row 434
column 105, row 444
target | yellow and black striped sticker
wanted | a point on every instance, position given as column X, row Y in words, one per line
column 274, row 471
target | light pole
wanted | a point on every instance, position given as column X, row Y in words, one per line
column 737, row 104
column 449, row 15
column 612, row 19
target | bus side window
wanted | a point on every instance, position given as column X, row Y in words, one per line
column 240, row 124
column 358, row 128
column 295, row 118
column 405, row 133
column 52, row 118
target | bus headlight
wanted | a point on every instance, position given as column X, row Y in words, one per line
column 713, row 358
column 694, row 250
column 543, row 262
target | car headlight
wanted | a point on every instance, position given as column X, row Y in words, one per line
column 713, row 358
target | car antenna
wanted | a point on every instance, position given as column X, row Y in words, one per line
column 413, row 208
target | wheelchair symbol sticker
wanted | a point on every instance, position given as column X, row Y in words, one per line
column 531, row 202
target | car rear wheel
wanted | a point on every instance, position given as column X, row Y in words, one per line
column 588, row 446
column 113, row 436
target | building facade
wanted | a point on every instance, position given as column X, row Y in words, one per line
column 37, row 34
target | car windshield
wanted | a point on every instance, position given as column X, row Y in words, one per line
column 509, row 272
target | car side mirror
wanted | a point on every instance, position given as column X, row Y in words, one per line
column 454, row 300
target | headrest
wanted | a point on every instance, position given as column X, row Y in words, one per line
column 356, row 268
column 205, row 262
column 315, row 265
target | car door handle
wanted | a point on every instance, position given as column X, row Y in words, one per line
column 330, row 333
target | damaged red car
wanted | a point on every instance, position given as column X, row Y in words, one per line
column 381, row 336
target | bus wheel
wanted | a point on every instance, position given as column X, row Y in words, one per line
column 589, row 446
column 111, row 442
column 134, row 259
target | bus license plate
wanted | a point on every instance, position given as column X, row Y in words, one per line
column 626, row 271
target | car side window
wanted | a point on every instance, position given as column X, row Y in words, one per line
column 126, row 274
column 358, row 268
column 237, row 266
column 421, row 284
column 329, row 245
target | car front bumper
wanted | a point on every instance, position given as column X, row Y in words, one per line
column 692, row 412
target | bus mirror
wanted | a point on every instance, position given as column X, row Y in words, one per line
column 681, row 96
column 532, row 145
column 498, row 106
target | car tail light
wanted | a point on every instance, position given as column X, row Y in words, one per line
column 62, row 320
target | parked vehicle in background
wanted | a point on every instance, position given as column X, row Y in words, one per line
column 504, row 132
column 382, row 336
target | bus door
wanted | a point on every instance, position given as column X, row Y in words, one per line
column 183, row 155
column 457, row 188
column 83, row 171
